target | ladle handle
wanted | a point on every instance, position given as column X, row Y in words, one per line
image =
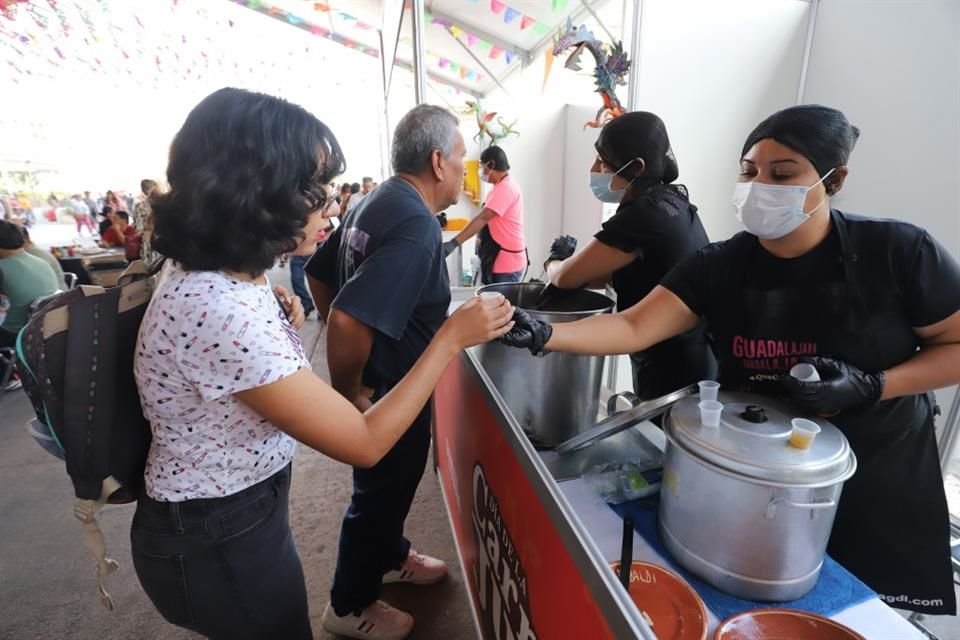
column 624, row 420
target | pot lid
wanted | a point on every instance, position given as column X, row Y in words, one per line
column 753, row 440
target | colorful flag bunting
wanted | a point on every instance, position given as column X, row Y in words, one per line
column 455, row 31
column 495, row 52
column 510, row 15
column 496, row 6
column 559, row 5
column 508, row 56
column 526, row 21
column 471, row 39
column 463, row 72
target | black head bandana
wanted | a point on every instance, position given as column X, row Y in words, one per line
column 822, row 134
column 639, row 134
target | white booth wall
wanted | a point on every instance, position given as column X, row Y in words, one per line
column 894, row 68
column 713, row 70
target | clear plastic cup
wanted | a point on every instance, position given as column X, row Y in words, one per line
column 710, row 411
column 490, row 297
column 804, row 432
column 805, row 372
column 708, row 389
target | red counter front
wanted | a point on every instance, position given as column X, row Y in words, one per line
column 528, row 572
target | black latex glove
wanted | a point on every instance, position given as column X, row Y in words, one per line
column 841, row 386
column 449, row 247
column 528, row 333
column 442, row 219
column 562, row 248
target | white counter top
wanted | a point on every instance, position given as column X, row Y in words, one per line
column 873, row 619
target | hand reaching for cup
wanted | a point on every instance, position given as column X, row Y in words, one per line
column 478, row 320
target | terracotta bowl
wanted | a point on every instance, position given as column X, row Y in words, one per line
column 785, row 624
column 669, row 605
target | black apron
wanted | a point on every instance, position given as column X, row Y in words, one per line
column 673, row 364
column 892, row 524
column 487, row 250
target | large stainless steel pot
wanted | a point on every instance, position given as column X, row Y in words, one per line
column 741, row 508
column 556, row 396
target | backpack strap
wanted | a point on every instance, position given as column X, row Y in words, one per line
column 86, row 512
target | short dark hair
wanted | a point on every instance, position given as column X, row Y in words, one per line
column 355, row 187
column 424, row 129
column 367, row 179
column 26, row 234
column 147, row 185
column 345, row 187
column 123, row 215
column 107, row 210
column 11, row 237
column 246, row 170
column 497, row 156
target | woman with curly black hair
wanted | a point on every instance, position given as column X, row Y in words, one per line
column 224, row 380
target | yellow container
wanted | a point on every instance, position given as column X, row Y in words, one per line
column 456, row 224
column 471, row 181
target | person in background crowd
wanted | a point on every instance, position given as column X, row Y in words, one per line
column 380, row 282
column 344, row 196
column 654, row 228
column 108, row 217
column 46, row 256
column 878, row 303
column 112, row 200
column 143, row 220
column 91, row 203
column 224, row 380
column 356, row 197
column 354, row 190
column 500, row 244
column 123, row 234
column 25, row 278
column 81, row 214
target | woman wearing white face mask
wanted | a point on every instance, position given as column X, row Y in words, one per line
column 499, row 225
column 876, row 303
column 655, row 227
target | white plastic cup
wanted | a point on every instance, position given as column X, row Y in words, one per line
column 490, row 297
column 708, row 389
column 804, row 432
column 805, row 372
column 710, row 411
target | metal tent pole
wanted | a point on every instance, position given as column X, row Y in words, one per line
column 419, row 76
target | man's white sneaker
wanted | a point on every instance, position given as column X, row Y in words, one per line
column 379, row 621
column 418, row 569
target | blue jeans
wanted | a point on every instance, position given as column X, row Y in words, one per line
column 224, row 567
column 506, row 277
column 297, row 264
column 371, row 537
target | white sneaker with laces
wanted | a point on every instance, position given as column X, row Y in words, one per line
column 379, row 621
column 418, row 569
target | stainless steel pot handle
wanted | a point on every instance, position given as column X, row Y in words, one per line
column 631, row 398
column 813, row 506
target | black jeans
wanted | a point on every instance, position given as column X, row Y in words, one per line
column 371, row 537
column 224, row 567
